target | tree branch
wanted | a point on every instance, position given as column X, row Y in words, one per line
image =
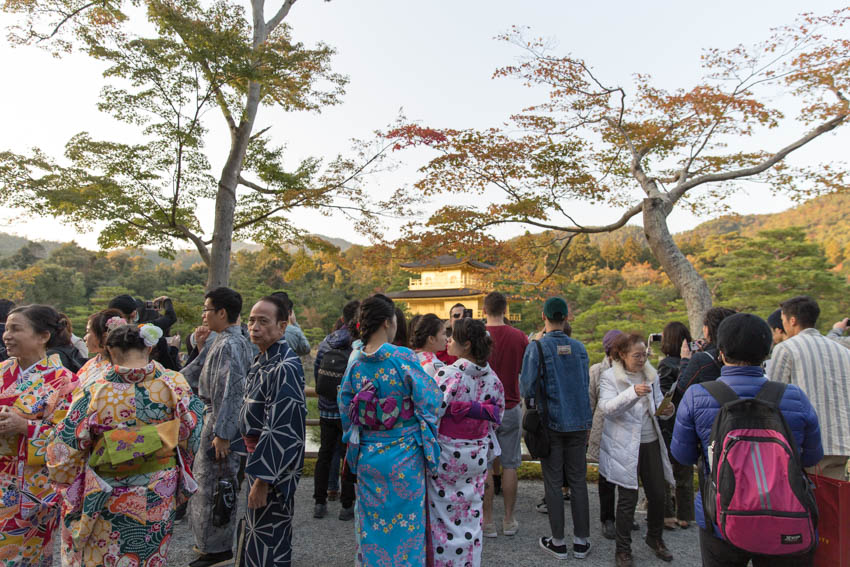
column 573, row 229
column 65, row 20
column 685, row 186
column 259, row 189
column 281, row 14
column 197, row 241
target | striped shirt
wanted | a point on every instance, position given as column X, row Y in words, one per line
column 821, row 368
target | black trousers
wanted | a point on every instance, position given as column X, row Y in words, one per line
column 567, row 457
column 717, row 553
column 330, row 440
column 607, row 499
column 651, row 474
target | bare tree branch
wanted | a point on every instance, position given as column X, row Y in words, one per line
column 685, row 186
column 281, row 14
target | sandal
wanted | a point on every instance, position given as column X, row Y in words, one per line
column 670, row 523
column 684, row 524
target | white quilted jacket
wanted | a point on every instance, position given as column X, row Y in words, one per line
column 623, row 410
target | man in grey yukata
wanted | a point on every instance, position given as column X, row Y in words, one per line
column 222, row 388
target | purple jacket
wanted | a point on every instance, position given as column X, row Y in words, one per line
column 697, row 410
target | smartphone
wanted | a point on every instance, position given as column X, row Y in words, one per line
column 655, row 338
column 467, row 313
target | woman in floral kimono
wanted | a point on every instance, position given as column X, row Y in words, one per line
column 34, row 395
column 97, row 328
column 123, row 455
column 428, row 337
column 473, row 404
column 388, row 409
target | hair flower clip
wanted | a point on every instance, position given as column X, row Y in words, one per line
column 115, row 322
column 150, row 334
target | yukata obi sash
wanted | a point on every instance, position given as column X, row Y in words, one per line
column 133, row 452
column 374, row 414
column 468, row 420
column 136, row 450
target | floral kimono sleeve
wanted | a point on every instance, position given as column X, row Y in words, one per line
column 190, row 412
column 58, row 387
column 70, row 442
column 346, row 394
column 493, row 392
column 447, row 380
column 427, row 399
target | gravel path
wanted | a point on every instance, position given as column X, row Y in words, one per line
column 330, row 543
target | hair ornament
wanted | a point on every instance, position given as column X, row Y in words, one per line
column 115, row 322
column 150, row 334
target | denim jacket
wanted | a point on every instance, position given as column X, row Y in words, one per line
column 567, row 378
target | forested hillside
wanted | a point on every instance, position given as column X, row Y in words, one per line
column 750, row 262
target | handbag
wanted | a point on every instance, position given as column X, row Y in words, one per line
column 535, row 422
column 224, row 501
column 833, row 499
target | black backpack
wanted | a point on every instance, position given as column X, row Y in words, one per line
column 331, row 371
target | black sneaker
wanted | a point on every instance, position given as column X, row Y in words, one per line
column 320, row 510
column 559, row 551
column 213, row 559
column 609, row 530
column 542, row 507
column 580, row 550
column 346, row 514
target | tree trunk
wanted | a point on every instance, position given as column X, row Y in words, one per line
column 692, row 287
column 225, row 200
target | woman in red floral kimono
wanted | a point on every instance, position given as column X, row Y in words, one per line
column 34, row 396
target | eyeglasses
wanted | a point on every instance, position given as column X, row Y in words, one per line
column 205, row 309
column 639, row 356
column 456, row 315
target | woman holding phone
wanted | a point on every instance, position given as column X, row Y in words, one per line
column 632, row 443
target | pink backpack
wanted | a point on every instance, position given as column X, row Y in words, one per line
column 756, row 492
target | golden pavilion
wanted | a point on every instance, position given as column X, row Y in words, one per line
column 443, row 282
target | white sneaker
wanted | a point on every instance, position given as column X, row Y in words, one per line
column 510, row 529
column 489, row 530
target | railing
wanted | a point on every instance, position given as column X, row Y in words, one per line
column 310, row 392
column 443, row 283
column 514, row 317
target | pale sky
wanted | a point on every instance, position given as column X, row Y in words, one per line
column 433, row 59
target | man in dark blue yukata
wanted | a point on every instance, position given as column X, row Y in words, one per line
column 273, row 422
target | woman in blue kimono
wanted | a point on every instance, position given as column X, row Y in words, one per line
column 389, row 414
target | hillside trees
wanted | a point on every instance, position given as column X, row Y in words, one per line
column 192, row 58
column 641, row 148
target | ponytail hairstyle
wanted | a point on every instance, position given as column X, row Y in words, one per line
column 426, row 326
column 401, row 337
column 411, row 329
column 475, row 333
column 45, row 319
column 125, row 337
column 374, row 311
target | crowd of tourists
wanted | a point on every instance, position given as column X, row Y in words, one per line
column 108, row 440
